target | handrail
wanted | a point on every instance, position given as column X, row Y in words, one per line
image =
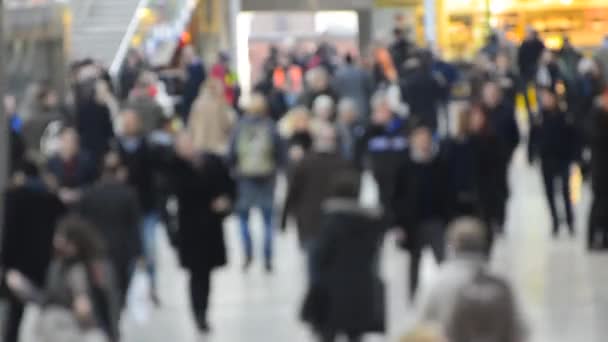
column 126, row 39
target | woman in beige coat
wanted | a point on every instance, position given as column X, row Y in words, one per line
column 211, row 119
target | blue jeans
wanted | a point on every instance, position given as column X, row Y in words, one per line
column 149, row 228
column 267, row 215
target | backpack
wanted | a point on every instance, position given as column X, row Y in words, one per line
column 255, row 150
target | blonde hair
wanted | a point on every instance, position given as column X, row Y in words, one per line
column 257, row 105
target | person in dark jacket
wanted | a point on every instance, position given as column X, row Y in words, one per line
column 556, row 148
column 528, row 58
column 347, row 257
column 598, row 131
column 143, row 102
column 502, row 122
column 317, row 84
column 382, row 147
column 135, row 154
column 424, row 91
column 130, row 72
column 195, row 75
column 506, row 79
column 400, row 49
column 112, row 207
column 205, row 192
column 30, row 216
column 94, row 123
column 71, row 167
column 420, row 201
column 474, row 158
column 353, row 82
column 309, row 187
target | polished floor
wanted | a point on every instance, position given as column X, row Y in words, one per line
column 562, row 288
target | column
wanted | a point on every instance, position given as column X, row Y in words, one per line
column 430, row 22
column 4, row 136
column 365, row 30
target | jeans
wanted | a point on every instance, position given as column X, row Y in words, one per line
column 552, row 171
column 148, row 232
column 267, row 215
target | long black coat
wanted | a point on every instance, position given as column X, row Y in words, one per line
column 421, row 193
column 94, row 123
column 201, row 232
column 347, row 257
column 141, row 166
column 598, row 129
column 30, row 217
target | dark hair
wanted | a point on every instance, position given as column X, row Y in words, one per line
column 349, row 59
column 28, row 168
column 346, row 184
column 83, row 235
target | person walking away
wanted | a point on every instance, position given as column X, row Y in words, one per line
column 295, row 128
column 347, row 258
column 309, row 187
column 423, row 91
column 506, row 79
column 486, row 310
column 134, row 151
column 568, row 60
column 466, row 245
column 317, row 84
column 195, row 75
column 205, row 193
column 502, row 122
column 143, row 102
column 223, row 72
column 601, row 57
column 30, row 216
column 556, row 148
column 72, row 168
column 211, row 120
column 256, row 154
column 17, row 147
column 112, row 208
column 288, row 79
column 382, row 148
column 549, row 73
column 598, row 136
column 132, row 68
column 420, row 201
column 400, row 49
column 474, row 157
column 353, row 82
column 77, row 294
column 528, row 58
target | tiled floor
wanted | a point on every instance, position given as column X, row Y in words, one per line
column 564, row 290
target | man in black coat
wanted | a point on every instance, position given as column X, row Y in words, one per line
column 420, row 201
column 136, row 156
column 29, row 221
column 598, row 129
column 528, row 58
column 113, row 208
column 205, row 193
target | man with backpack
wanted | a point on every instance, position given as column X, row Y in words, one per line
column 256, row 154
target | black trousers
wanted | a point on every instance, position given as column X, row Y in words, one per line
column 558, row 170
column 598, row 221
column 13, row 319
column 431, row 234
column 200, row 288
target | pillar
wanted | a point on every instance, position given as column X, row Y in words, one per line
column 430, row 22
column 365, row 30
column 4, row 136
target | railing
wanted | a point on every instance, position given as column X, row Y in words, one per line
column 126, row 39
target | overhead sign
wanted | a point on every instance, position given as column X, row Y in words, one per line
column 396, row 3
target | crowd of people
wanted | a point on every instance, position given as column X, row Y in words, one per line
column 93, row 175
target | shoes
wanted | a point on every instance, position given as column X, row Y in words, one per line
column 247, row 264
column 269, row 267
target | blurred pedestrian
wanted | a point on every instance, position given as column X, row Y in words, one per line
column 195, row 75
column 466, row 255
column 353, row 82
column 382, row 147
column 72, row 168
column 348, row 296
column 568, row 59
column 598, row 131
column 317, row 84
column 77, row 293
column 296, row 129
column 420, row 201
column 323, row 112
column 30, row 215
column 132, row 68
column 486, row 310
column 17, row 147
column 528, row 59
column 223, row 72
column 205, row 193
column 309, row 187
column 400, row 49
column 257, row 154
column 212, row 119
column 134, row 151
column 549, row 74
column 349, row 127
column 507, row 80
column 601, row 57
column 557, row 149
column 143, row 102
column 112, row 207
